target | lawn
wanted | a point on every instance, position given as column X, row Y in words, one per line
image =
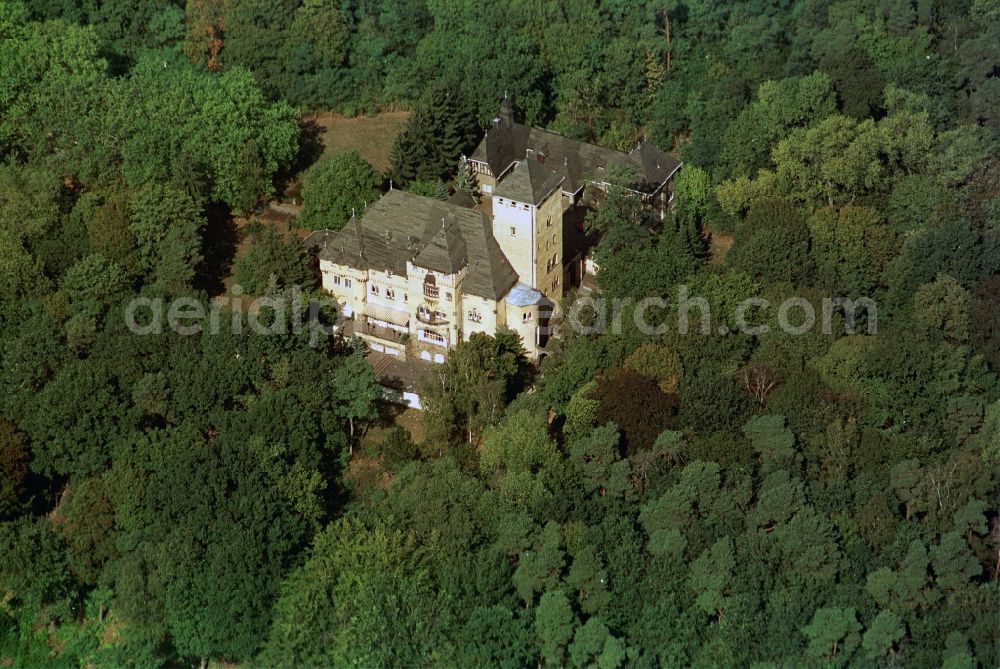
column 371, row 136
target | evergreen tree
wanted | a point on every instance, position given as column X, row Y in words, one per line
column 441, row 128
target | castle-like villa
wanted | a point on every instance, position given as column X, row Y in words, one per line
column 420, row 275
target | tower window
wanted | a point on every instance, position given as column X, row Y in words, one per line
column 513, row 231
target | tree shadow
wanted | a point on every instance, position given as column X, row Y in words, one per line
column 218, row 249
column 287, row 182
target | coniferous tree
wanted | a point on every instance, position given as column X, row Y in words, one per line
column 441, row 128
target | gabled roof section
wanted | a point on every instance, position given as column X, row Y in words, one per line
column 444, row 251
column 504, row 144
column 443, row 237
column 530, row 182
column 344, row 247
column 462, row 199
column 577, row 161
column 656, row 165
column 490, row 274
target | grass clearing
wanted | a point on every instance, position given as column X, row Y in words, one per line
column 371, row 136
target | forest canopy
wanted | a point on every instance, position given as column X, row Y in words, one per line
column 827, row 499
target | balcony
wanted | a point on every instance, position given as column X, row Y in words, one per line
column 431, row 337
column 429, row 317
column 431, row 291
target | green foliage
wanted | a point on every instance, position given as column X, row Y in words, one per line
column 852, row 248
column 363, row 597
column 469, row 391
column 163, row 120
column 518, row 451
column 440, row 129
column 179, row 500
column 773, row 244
column 637, row 405
column 273, row 263
column 943, row 307
column 833, row 635
column 554, row 624
column 337, row 188
column 779, row 107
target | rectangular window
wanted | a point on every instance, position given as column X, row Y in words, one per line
column 447, row 296
column 336, row 280
column 406, row 298
column 375, row 289
column 513, row 232
column 390, row 294
column 347, row 283
column 475, row 316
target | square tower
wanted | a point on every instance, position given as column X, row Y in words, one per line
column 527, row 224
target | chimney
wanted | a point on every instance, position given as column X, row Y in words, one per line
column 506, row 111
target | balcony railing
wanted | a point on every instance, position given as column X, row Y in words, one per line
column 431, row 337
column 431, row 291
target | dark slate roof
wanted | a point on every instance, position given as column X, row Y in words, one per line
column 504, row 143
column 444, row 250
column 436, row 235
column 317, row 240
column 530, row 182
column 463, row 199
column 578, row 162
